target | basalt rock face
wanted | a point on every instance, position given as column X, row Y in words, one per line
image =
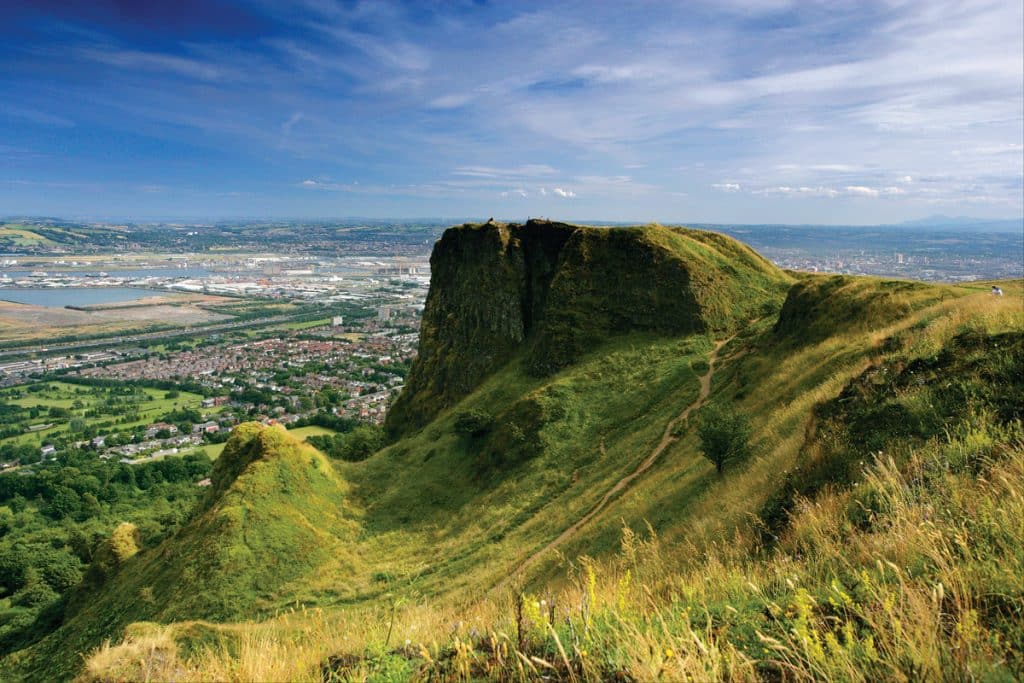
column 555, row 291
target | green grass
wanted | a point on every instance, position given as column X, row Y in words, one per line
column 312, row 430
column 18, row 235
column 492, row 513
column 63, row 395
column 909, row 568
column 213, row 450
column 275, row 513
column 430, row 528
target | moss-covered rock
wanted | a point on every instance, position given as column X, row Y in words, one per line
column 557, row 291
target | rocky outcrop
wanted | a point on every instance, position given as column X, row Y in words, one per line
column 553, row 291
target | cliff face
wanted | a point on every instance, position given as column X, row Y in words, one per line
column 557, row 290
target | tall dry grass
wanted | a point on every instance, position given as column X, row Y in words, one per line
column 905, row 593
column 916, row 573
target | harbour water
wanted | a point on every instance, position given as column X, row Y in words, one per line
column 58, row 297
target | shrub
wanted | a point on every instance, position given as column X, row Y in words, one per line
column 473, row 423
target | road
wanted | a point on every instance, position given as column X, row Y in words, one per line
column 146, row 336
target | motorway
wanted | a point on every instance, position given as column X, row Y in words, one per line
column 119, row 340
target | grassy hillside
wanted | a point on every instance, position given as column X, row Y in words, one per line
column 46, row 236
column 273, row 514
column 17, row 235
column 870, row 402
column 818, row 558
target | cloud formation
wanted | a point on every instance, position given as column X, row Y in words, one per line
column 460, row 109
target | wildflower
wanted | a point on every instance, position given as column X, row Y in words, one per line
column 669, row 654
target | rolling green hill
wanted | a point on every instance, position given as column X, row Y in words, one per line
column 45, row 235
column 273, row 514
column 544, row 508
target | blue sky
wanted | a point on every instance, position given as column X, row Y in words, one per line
column 725, row 111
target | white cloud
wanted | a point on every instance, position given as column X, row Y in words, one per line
column 287, row 126
column 861, row 191
column 155, row 61
column 568, row 194
column 801, row 191
column 452, row 101
column 818, row 191
column 526, row 171
column 836, row 168
column 727, row 187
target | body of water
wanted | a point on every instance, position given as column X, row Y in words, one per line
column 74, row 296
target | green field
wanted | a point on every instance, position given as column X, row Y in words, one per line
column 212, row 450
column 312, row 430
column 15, row 234
column 80, row 400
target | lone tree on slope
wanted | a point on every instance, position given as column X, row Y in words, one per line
column 723, row 435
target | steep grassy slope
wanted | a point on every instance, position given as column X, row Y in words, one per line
column 456, row 519
column 274, row 513
column 904, row 567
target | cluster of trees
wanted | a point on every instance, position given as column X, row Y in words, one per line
column 20, row 453
column 184, row 384
column 53, row 519
column 328, row 420
column 80, row 486
column 358, row 444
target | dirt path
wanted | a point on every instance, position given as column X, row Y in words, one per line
column 666, row 440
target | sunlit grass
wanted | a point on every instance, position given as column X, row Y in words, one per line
column 907, row 599
column 692, row 595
